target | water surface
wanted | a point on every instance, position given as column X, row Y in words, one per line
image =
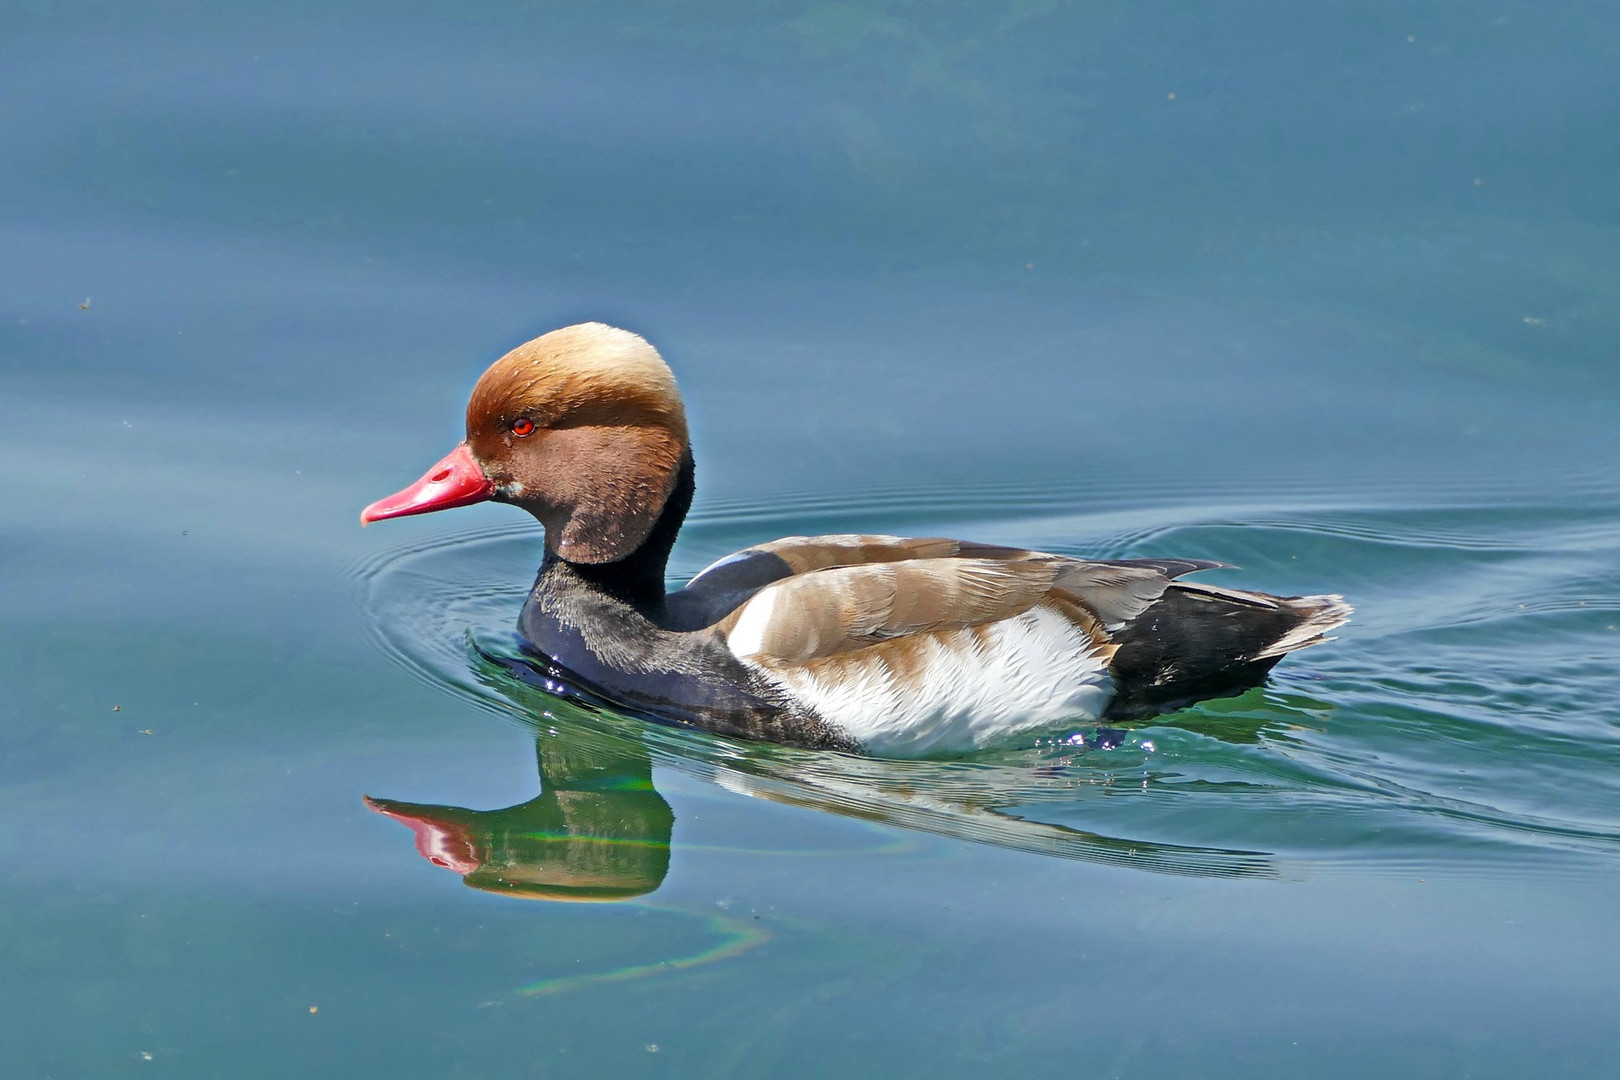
column 1330, row 296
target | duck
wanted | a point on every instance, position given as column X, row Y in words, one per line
column 881, row 645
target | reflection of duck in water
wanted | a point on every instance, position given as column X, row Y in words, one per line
column 1000, row 803
column 597, row 830
column 895, row 647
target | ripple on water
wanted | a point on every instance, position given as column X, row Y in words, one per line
column 1466, row 716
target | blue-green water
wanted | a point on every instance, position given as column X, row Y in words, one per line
column 1329, row 294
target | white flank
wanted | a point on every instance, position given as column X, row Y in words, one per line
column 748, row 636
column 1032, row 671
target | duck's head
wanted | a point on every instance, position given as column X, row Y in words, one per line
column 582, row 427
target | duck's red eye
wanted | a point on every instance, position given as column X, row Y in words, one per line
column 522, row 426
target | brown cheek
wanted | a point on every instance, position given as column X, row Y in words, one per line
column 532, row 462
column 494, row 453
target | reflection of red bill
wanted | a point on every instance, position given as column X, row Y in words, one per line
column 442, row 843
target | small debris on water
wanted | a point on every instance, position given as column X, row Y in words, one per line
column 313, row 1009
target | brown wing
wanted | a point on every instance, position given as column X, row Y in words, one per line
column 802, row 554
column 806, row 553
column 719, row 589
column 843, row 608
column 889, row 586
column 1117, row 593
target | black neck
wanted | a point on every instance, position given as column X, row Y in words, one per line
column 638, row 578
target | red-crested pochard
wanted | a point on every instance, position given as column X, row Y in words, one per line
column 880, row 644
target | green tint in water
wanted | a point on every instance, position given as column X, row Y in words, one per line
column 1327, row 293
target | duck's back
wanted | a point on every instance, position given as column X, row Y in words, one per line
column 912, row 646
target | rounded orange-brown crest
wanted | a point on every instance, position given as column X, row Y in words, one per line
column 583, row 427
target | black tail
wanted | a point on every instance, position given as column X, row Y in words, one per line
column 1198, row 642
